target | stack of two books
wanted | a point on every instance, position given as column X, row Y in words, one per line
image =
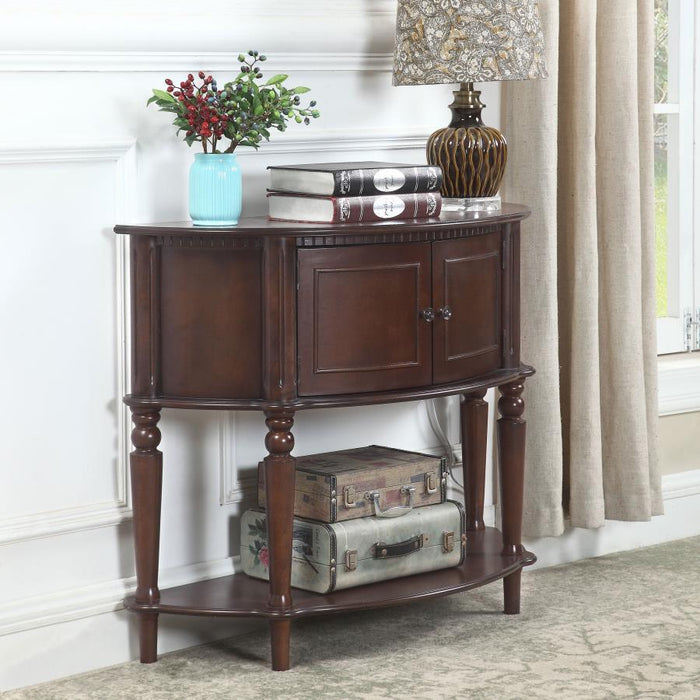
column 356, row 191
column 362, row 515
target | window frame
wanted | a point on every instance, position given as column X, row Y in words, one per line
column 683, row 275
column 679, row 373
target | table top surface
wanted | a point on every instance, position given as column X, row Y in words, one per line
column 261, row 225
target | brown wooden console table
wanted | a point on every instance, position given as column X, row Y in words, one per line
column 282, row 317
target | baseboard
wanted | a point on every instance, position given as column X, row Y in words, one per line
column 96, row 599
column 681, row 485
column 49, row 637
column 63, row 634
column 681, row 494
column 89, row 643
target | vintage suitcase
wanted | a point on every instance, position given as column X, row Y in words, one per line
column 374, row 480
column 332, row 556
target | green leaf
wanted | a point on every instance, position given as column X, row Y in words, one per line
column 300, row 90
column 162, row 95
column 276, row 79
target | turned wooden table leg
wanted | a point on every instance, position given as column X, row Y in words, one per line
column 474, row 413
column 146, row 487
column 279, row 494
column 511, row 452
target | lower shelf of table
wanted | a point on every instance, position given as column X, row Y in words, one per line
column 241, row 596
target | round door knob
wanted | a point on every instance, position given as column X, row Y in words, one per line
column 427, row 315
column 445, row 312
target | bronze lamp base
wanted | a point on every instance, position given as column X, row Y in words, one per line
column 472, row 156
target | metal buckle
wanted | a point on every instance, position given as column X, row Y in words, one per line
column 448, row 542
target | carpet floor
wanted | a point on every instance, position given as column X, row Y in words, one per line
column 621, row 626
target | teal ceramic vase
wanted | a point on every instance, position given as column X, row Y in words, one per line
column 216, row 189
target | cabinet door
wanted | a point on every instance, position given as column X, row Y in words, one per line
column 360, row 327
column 467, row 281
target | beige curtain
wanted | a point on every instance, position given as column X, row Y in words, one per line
column 581, row 156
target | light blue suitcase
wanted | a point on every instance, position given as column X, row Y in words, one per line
column 332, row 556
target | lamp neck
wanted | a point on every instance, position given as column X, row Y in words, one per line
column 466, row 107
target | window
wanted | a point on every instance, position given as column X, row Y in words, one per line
column 678, row 286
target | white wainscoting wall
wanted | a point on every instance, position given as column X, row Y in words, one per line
column 79, row 152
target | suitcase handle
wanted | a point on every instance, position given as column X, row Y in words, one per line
column 384, row 551
column 396, row 511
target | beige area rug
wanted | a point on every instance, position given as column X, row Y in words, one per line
column 621, row 626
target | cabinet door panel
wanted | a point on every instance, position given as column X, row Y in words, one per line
column 467, row 280
column 359, row 318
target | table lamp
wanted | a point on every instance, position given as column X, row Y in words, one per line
column 468, row 41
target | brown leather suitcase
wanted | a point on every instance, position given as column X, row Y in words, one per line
column 374, row 480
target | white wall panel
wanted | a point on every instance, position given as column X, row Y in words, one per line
column 61, row 357
column 360, row 26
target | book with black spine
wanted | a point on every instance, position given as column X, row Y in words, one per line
column 314, row 209
column 354, row 179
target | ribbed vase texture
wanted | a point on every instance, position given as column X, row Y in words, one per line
column 473, row 160
column 216, row 189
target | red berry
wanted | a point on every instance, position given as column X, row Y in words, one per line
column 190, row 76
column 168, row 81
column 201, row 73
column 170, row 88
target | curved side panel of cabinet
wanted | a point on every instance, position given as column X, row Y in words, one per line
column 211, row 320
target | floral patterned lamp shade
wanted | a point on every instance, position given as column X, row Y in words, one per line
column 467, row 41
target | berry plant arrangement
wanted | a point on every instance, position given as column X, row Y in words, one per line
column 240, row 113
